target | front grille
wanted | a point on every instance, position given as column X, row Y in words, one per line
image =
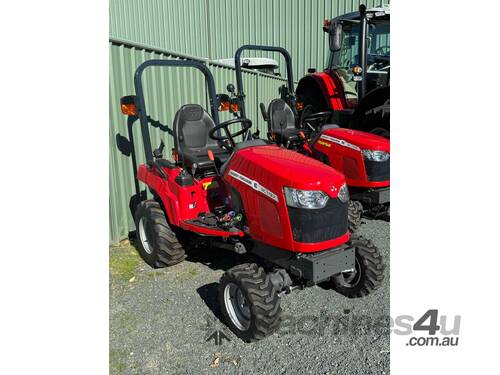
column 324, row 224
column 378, row 170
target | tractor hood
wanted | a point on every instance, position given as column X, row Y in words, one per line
column 362, row 140
column 277, row 167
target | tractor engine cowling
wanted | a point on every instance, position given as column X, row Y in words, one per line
column 260, row 175
column 364, row 158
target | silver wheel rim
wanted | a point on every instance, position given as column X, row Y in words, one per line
column 237, row 306
column 143, row 237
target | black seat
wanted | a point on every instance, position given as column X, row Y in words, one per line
column 281, row 121
column 191, row 126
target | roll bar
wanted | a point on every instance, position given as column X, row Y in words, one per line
column 141, row 105
column 239, row 76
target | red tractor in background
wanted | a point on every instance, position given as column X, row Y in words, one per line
column 355, row 84
column 287, row 210
column 363, row 158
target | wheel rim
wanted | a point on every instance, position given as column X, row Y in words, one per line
column 237, row 306
column 352, row 278
column 143, row 236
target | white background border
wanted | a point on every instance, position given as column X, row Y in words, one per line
column 444, row 172
column 54, row 211
column 444, row 248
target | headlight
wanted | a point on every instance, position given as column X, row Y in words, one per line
column 311, row 199
column 375, row 155
column 343, row 193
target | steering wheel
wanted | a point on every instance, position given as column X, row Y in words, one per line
column 245, row 124
column 323, row 116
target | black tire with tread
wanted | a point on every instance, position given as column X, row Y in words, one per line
column 354, row 215
column 262, row 297
column 166, row 248
column 372, row 269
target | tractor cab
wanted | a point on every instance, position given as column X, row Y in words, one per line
column 360, row 51
column 355, row 85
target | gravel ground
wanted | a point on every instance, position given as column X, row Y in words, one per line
column 160, row 320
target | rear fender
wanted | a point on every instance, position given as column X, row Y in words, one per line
column 161, row 191
column 322, row 90
column 181, row 203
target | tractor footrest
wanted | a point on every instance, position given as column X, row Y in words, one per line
column 202, row 228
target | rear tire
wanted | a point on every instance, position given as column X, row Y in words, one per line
column 369, row 272
column 354, row 214
column 249, row 302
column 157, row 243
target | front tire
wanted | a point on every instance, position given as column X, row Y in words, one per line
column 158, row 245
column 249, row 302
column 354, row 214
column 368, row 274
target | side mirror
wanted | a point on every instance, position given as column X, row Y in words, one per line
column 335, row 36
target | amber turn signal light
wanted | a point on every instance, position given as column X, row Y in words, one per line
column 235, row 107
column 127, row 105
column 224, row 106
column 129, row 109
column 357, row 69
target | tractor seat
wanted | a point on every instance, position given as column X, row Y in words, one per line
column 281, row 120
column 191, row 127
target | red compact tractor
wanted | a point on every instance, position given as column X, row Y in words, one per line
column 355, row 84
column 288, row 210
column 363, row 158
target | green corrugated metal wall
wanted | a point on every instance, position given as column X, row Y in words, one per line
column 166, row 90
column 147, row 29
column 214, row 29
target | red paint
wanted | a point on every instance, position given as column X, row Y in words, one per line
column 350, row 161
column 332, row 89
column 273, row 168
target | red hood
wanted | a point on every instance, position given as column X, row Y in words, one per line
column 360, row 139
column 293, row 169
